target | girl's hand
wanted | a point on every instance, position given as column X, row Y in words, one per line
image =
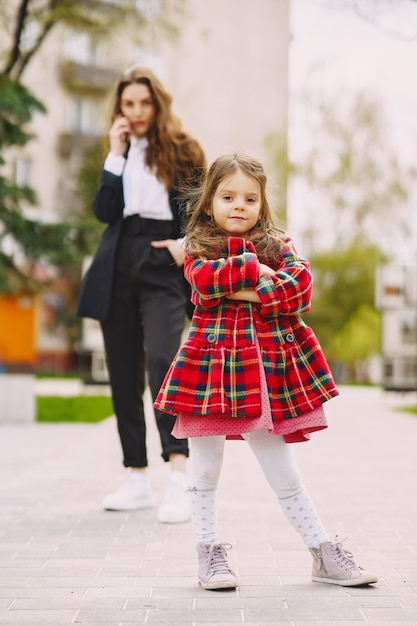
column 119, row 135
column 249, row 295
column 265, row 270
column 174, row 247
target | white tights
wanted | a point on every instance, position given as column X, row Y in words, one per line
column 277, row 461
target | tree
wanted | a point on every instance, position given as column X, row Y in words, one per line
column 343, row 304
column 383, row 15
column 33, row 20
column 357, row 341
column 358, row 188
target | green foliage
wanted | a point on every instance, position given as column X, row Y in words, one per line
column 409, row 409
column 344, row 280
column 343, row 314
column 359, row 338
column 73, row 408
column 17, row 105
column 61, row 245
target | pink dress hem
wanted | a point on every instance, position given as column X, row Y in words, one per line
column 295, row 429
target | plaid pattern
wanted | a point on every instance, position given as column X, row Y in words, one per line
column 217, row 369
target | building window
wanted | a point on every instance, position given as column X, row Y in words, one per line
column 410, row 369
column 388, row 369
column 409, row 330
column 391, row 290
column 82, row 116
column 80, row 48
column 22, row 172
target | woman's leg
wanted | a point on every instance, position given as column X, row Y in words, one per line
column 278, row 463
column 123, row 340
column 162, row 310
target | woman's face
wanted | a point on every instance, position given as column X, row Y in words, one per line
column 138, row 107
column 237, row 204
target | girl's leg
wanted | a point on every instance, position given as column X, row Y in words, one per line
column 277, row 461
column 331, row 562
column 206, row 461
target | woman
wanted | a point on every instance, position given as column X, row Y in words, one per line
column 135, row 285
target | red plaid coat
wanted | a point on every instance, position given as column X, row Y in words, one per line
column 217, row 368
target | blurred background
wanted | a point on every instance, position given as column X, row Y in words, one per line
column 322, row 91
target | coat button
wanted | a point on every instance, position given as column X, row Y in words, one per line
column 289, row 337
column 211, row 338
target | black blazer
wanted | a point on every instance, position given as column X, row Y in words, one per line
column 96, row 288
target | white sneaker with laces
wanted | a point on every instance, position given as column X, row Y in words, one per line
column 135, row 493
column 214, row 571
column 335, row 565
column 175, row 506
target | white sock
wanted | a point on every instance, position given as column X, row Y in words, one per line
column 301, row 513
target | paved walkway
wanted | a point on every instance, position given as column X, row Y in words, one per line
column 64, row 561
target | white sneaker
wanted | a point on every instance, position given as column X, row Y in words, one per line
column 175, row 507
column 135, row 493
column 214, row 571
column 333, row 564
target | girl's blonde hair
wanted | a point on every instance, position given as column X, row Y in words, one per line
column 173, row 153
column 204, row 238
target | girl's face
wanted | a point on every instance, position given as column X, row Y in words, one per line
column 138, row 107
column 237, row 204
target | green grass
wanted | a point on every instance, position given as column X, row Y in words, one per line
column 409, row 409
column 73, row 408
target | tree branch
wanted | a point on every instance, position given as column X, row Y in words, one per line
column 20, row 23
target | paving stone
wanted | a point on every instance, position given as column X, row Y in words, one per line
column 64, row 561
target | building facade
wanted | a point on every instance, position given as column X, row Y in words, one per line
column 396, row 298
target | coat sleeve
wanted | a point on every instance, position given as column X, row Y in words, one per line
column 212, row 280
column 109, row 203
column 289, row 291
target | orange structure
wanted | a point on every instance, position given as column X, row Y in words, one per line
column 18, row 331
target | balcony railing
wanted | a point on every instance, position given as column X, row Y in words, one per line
column 92, row 77
column 70, row 142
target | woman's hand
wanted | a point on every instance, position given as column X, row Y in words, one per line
column 119, row 135
column 174, row 247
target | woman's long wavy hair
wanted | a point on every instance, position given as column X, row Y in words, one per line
column 172, row 152
column 204, row 238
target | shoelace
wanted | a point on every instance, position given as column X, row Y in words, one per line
column 342, row 556
column 216, row 557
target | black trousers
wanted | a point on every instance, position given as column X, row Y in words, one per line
column 142, row 334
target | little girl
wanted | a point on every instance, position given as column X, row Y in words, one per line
column 251, row 368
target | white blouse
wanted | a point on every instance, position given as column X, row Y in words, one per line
column 143, row 192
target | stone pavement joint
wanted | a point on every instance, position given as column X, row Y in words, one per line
column 65, row 561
